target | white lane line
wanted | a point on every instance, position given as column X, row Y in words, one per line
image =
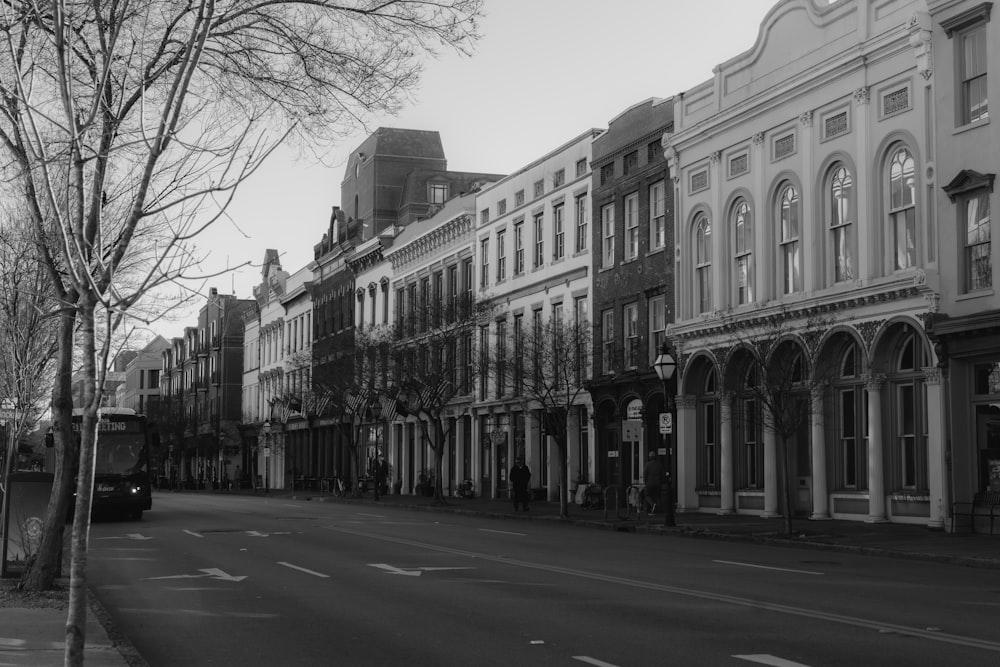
column 302, row 569
column 805, row 612
column 501, row 532
column 191, row 532
column 593, row 661
column 291, row 505
column 765, row 659
column 765, row 567
column 377, row 516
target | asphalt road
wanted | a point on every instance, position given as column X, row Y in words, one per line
column 211, row 579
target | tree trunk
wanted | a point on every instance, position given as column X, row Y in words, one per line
column 76, row 620
column 46, row 566
column 787, row 487
column 437, row 445
column 562, row 444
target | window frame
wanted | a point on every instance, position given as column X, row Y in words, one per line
column 501, row 255
column 582, row 222
column 558, row 232
column 703, row 263
column 608, row 235
column 519, row 248
column 840, row 223
column 538, row 224
column 741, row 222
column 904, row 215
column 789, row 217
column 630, row 208
column 657, row 216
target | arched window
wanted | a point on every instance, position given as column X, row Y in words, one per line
column 743, row 252
column 902, row 209
column 841, row 223
column 703, row 262
column 791, row 252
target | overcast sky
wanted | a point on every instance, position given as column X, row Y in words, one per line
column 545, row 71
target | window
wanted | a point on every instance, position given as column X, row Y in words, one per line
column 539, row 188
column 607, row 173
column 654, row 151
column 631, row 226
column 657, row 216
column 607, row 236
column 519, row 248
column 501, row 207
column 835, row 125
column 439, row 193
column 784, row 146
column 703, row 263
column 972, row 61
column 452, row 292
column 630, row 315
column 896, row 101
column 743, row 252
column 978, row 270
column 581, row 167
column 790, row 252
column 558, row 178
column 484, row 261
column 631, row 163
column 518, row 353
column 519, row 198
column 539, row 225
column 657, row 319
column 484, row 352
column 739, row 164
column 538, row 374
column 581, row 338
column 580, row 213
column 484, row 216
column 558, row 232
column 841, row 223
column 902, row 213
column 607, row 340
column 501, row 357
column 501, row 255
column 699, row 181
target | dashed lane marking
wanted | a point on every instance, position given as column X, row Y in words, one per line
column 766, row 567
column 302, row 569
column 765, row 659
column 502, row 532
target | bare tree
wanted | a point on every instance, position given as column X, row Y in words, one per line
column 122, row 121
column 27, row 331
column 778, row 368
column 426, row 365
column 544, row 369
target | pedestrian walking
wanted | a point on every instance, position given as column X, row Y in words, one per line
column 520, row 477
column 380, row 472
column 652, row 478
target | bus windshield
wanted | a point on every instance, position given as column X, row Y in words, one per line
column 120, row 454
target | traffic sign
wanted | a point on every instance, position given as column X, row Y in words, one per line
column 6, row 414
column 666, row 423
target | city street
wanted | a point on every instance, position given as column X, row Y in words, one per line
column 219, row 579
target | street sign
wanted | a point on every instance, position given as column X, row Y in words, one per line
column 6, row 414
column 666, row 423
column 631, row 430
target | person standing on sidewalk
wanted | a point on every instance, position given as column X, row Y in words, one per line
column 652, row 479
column 520, row 477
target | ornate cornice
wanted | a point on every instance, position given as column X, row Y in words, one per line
column 433, row 239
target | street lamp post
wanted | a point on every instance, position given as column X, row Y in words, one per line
column 665, row 366
column 267, row 455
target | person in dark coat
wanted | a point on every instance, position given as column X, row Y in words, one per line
column 652, row 477
column 380, row 471
column 520, row 477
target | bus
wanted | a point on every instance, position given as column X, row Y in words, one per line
column 121, row 475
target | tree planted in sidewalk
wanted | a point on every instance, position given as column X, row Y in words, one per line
column 127, row 127
column 543, row 369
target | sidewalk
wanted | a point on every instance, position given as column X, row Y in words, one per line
column 36, row 636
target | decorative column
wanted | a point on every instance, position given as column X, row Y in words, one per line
column 686, row 443
column 937, row 468
column 728, row 504
column 876, row 472
column 770, row 473
column 820, row 497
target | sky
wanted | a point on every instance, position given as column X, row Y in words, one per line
column 544, row 72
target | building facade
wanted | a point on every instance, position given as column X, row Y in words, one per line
column 960, row 43
column 631, row 240
column 807, row 246
column 533, row 261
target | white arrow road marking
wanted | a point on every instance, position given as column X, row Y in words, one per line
column 302, row 569
column 256, row 533
column 764, row 659
column 413, row 571
column 389, row 569
column 191, row 532
column 137, row 536
column 765, row 567
column 212, row 572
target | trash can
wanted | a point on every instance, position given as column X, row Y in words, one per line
column 28, row 499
